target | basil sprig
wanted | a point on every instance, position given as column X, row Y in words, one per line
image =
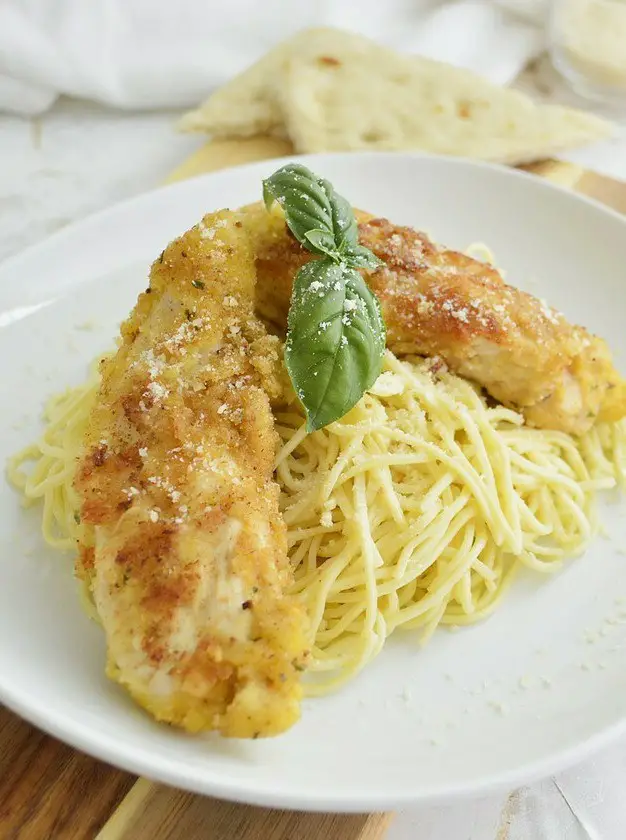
column 336, row 334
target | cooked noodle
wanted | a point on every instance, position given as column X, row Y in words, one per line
column 412, row 511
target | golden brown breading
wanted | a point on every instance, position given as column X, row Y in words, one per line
column 438, row 302
column 190, row 569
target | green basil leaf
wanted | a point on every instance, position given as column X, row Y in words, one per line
column 323, row 243
column 358, row 256
column 344, row 224
column 310, row 203
column 336, row 334
column 335, row 340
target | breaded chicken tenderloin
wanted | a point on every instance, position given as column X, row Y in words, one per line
column 186, row 551
column 438, row 302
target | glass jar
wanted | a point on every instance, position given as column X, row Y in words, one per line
column 588, row 47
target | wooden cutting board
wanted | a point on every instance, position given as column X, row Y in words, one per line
column 220, row 154
column 49, row 791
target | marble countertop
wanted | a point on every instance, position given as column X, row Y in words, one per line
column 79, row 158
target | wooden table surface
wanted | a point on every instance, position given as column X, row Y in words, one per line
column 49, row 791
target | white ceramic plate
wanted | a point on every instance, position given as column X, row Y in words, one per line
column 539, row 685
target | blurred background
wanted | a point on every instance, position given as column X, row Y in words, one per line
column 90, row 92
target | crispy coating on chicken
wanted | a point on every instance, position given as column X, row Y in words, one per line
column 438, row 302
column 189, row 568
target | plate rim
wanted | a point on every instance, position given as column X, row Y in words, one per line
column 181, row 186
column 119, row 757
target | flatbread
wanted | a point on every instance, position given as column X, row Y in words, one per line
column 351, row 93
column 330, row 90
column 249, row 104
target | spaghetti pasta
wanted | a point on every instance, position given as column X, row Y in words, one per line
column 413, row 510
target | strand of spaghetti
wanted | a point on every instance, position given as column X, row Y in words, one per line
column 463, row 591
column 429, row 542
column 456, row 617
column 297, row 534
column 384, row 477
column 344, row 619
column 446, row 578
column 477, row 432
column 482, row 569
column 293, row 443
column 347, row 454
column 371, row 558
column 445, row 582
column 464, row 471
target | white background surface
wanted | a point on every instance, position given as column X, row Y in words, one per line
column 79, row 158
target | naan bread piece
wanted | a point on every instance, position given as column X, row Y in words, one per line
column 249, row 104
column 341, row 91
column 330, row 90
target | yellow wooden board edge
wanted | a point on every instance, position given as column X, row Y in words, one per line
column 221, row 154
column 163, row 813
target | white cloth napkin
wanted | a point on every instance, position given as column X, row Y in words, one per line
column 490, row 38
column 142, row 54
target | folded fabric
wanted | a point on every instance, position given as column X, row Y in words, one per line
column 481, row 36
